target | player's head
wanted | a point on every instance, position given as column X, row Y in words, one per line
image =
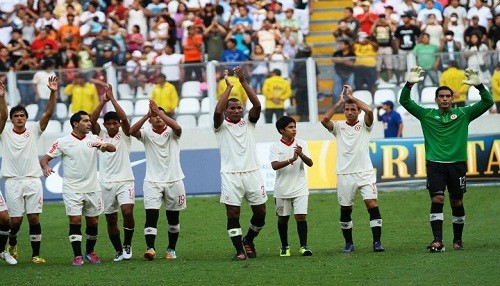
column 156, row 120
column 18, row 115
column 444, row 97
column 234, row 110
column 351, row 111
column 80, row 122
column 286, row 125
column 112, row 122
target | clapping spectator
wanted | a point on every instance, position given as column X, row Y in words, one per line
column 259, row 68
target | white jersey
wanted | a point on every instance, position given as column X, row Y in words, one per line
column 79, row 160
column 115, row 166
column 20, row 152
column 291, row 181
column 237, row 146
column 352, row 147
column 162, row 150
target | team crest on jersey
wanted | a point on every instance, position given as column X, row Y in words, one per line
column 357, row 127
column 453, row 116
column 26, row 134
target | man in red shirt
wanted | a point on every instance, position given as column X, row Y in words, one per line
column 366, row 19
column 40, row 42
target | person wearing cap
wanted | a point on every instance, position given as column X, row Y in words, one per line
column 408, row 7
column 148, row 52
column 482, row 12
column 393, row 124
column 276, row 89
column 290, row 22
column 495, row 87
column 445, row 131
column 405, row 38
column 367, row 18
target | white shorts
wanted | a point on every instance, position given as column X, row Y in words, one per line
column 284, row 206
column 3, row 205
column 349, row 184
column 23, row 195
column 115, row 194
column 248, row 185
column 172, row 194
column 87, row 204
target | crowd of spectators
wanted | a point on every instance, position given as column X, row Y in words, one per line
column 380, row 36
column 81, row 36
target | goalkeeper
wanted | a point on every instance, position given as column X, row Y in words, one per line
column 445, row 132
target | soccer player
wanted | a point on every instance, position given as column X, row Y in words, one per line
column 4, row 214
column 115, row 172
column 291, row 192
column 163, row 181
column 355, row 171
column 21, row 171
column 81, row 192
column 445, row 137
column 240, row 174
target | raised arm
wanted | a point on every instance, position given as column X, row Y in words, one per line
column 96, row 128
column 169, row 121
column 486, row 101
column 135, row 130
column 4, row 113
column 125, row 124
column 254, row 113
column 222, row 103
column 361, row 105
column 53, row 85
column 326, row 121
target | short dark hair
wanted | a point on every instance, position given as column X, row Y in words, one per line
column 277, row 72
column 231, row 40
column 77, row 117
column 350, row 101
column 283, row 122
column 349, row 9
column 232, row 99
column 444, row 87
column 18, row 108
column 111, row 115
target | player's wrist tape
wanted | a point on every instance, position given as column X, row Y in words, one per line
column 479, row 86
column 409, row 84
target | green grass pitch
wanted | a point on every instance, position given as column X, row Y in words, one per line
column 204, row 249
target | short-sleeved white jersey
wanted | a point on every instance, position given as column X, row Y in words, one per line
column 79, row 161
column 352, row 147
column 115, row 166
column 20, row 152
column 162, row 150
column 291, row 181
column 237, row 146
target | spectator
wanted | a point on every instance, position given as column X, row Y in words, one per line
column 170, row 66
column 63, row 20
column 365, row 71
column 42, row 91
column 47, row 19
column 134, row 39
column 494, row 34
column 459, row 13
column 179, row 17
column 49, row 55
column 289, row 42
column 422, row 16
column 495, row 87
column 382, row 34
column 193, row 55
column 267, row 37
column 92, row 14
column 451, row 52
column 405, row 38
column 165, row 95
column 367, row 18
column 136, row 72
column 155, row 9
column 350, row 21
column 409, row 7
column 276, row 89
column 393, row 19
column 116, row 12
column 475, row 28
column 28, row 28
column 258, row 15
column 90, row 30
column 428, row 59
column 299, row 81
column 5, row 63
column 259, row 68
column 278, row 60
column 453, row 78
column 38, row 45
column 302, row 11
column 279, row 13
column 237, row 91
column 61, row 8
column 393, row 124
column 136, row 18
column 477, row 56
column 379, row 7
column 434, row 29
column 214, row 36
column 343, row 60
column 24, row 67
column 243, row 39
column 105, row 49
column 232, row 55
column 291, row 22
column 16, row 46
column 457, row 28
column 148, row 53
column 71, row 64
column 343, row 32
column 482, row 12
column 243, row 19
column 69, row 34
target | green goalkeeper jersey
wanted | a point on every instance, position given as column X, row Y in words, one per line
column 445, row 134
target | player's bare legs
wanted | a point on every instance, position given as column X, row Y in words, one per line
column 375, row 223
column 4, row 235
column 257, row 221
column 234, row 230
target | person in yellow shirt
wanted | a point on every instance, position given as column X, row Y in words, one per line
column 495, row 87
column 236, row 92
column 165, row 95
column 83, row 95
column 365, row 72
column 453, row 78
column 276, row 89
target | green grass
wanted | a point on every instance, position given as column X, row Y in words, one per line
column 204, row 249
